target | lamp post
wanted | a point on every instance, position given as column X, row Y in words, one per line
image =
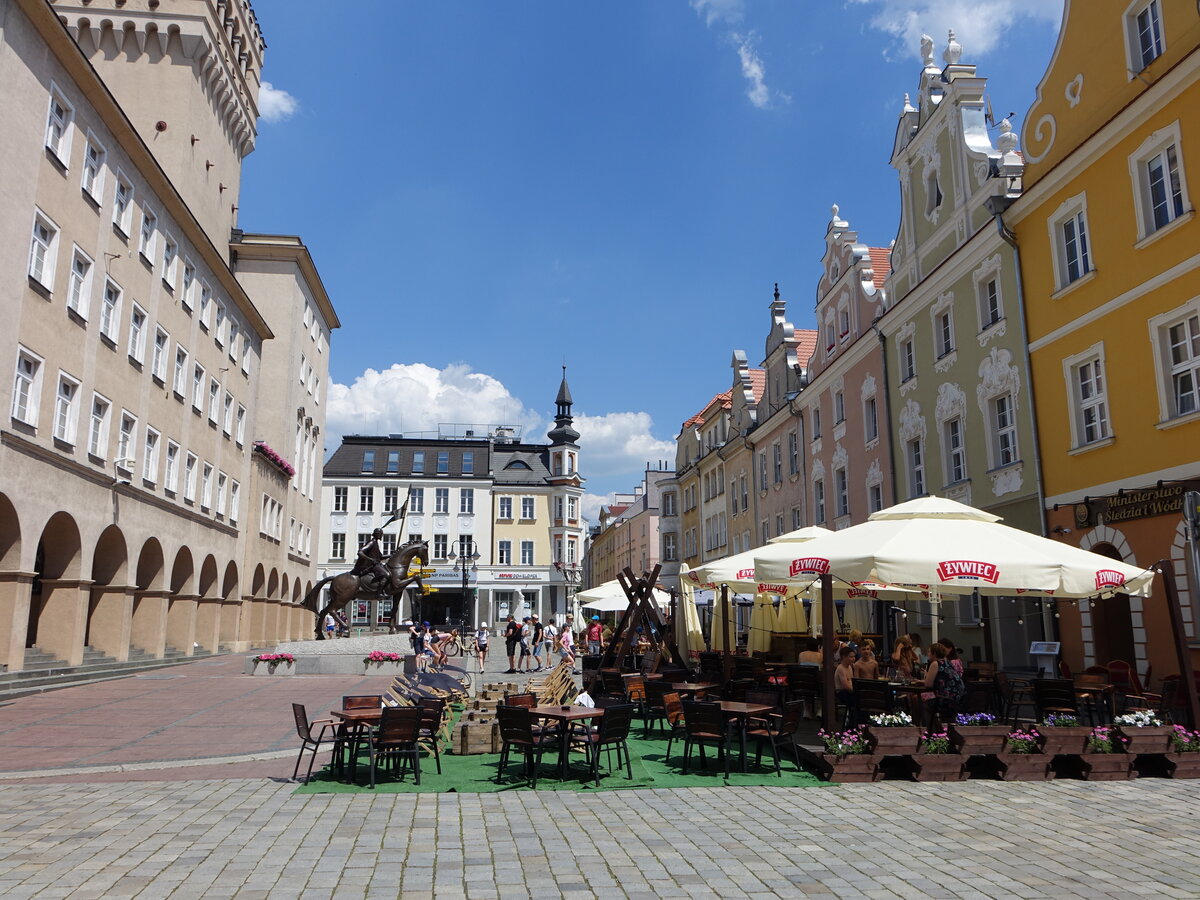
column 465, row 561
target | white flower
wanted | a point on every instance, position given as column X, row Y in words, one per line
column 1139, row 719
column 893, row 720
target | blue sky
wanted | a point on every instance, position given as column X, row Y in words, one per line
column 494, row 189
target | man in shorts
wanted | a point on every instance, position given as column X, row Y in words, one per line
column 525, row 660
column 549, row 639
column 535, row 644
column 512, row 637
column 566, row 642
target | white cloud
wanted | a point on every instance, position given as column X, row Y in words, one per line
column 591, row 506
column 275, row 105
column 752, row 69
column 729, row 11
column 979, row 25
column 620, row 443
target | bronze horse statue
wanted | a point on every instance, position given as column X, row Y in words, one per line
column 347, row 586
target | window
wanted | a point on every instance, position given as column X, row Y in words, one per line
column 916, row 468
column 42, row 249
column 340, row 498
column 956, row 457
column 189, row 285
column 466, row 501
column 58, row 127
column 843, row 323
column 505, row 508
column 468, row 462
column 388, row 544
column 393, row 462
column 1166, row 195
column 1159, row 185
column 870, row 419
column 169, row 259
column 1069, row 234
column 1091, row 401
column 416, row 500
column 839, row 407
column 816, row 424
column 222, row 481
column 123, row 204
column 125, row 438
column 418, row 466
column 875, row 497
column 391, row 499
column 179, row 379
column 137, row 334
column 214, row 399
column 80, row 289
column 368, row 463
column 206, row 306
column 171, row 476
column 66, row 412
column 366, row 499
column 110, row 311
column 908, row 360
column 227, row 414
column 338, row 545
column 777, row 462
column 842, row 489
column 933, row 194
column 439, row 546
column 572, row 509
column 990, row 309
column 443, row 462
column 669, row 504
column 796, row 519
column 745, row 493
column 1006, row 430
column 198, row 387
column 527, row 553
column 206, row 487
column 943, row 326
column 150, row 460
column 504, row 553
column 818, row 502
column 1144, row 33
column 219, row 333
column 235, row 335
column 240, row 432
column 158, row 361
column 92, row 180
column 441, row 500
column 778, row 524
column 98, row 427
column 670, row 551
column 189, row 478
column 558, row 509
column 1183, row 347
column 146, row 235
column 27, row 387
column 235, row 499
column 793, row 453
column 762, row 471
column 527, row 508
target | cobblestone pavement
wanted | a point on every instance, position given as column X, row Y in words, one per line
column 254, row 839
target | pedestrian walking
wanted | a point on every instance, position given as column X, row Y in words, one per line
column 512, row 637
column 550, row 640
column 566, row 642
column 594, row 634
column 481, row 645
column 536, row 643
column 330, row 625
column 525, row 660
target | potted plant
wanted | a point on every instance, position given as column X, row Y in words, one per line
column 1062, row 734
column 977, row 734
column 1105, row 758
column 1144, row 732
column 1023, row 759
column 273, row 662
column 936, row 761
column 847, row 757
column 382, row 656
column 1184, row 759
column 894, row 734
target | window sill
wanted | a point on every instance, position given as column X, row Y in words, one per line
column 91, row 200
column 77, row 317
column 1081, row 280
column 146, row 261
column 170, row 287
column 64, row 445
column 120, row 232
column 58, row 161
column 872, row 443
column 39, row 288
column 109, row 340
column 158, row 379
column 135, row 362
column 1169, row 227
column 1094, row 445
column 1185, row 419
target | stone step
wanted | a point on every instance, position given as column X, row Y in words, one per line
column 20, row 684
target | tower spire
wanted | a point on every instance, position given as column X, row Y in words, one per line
column 562, row 432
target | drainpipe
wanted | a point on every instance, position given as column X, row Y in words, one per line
column 887, row 405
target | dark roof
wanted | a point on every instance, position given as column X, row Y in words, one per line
column 521, row 464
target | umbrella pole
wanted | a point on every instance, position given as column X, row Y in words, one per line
column 935, row 600
column 829, row 701
column 1187, row 680
column 728, row 620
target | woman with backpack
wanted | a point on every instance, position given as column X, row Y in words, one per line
column 946, row 683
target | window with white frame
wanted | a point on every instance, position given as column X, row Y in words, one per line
column 870, row 419
column 955, row 450
column 43, row 248
column 92, row 180
column 572, row 509
column 441, row 500
column 214, row 399
column 150, row 458
column 220, row 330
column 110, row 311
column 391, row 499
column 126, row 435
column 943, row 329
column 527, row 508
column 504, row 553
column 189, row 478
column 793, row 453
column 27, row 387
column 830, row 338
column 797, row 519
column 170, row 260
column 222, row 481
column 527, row 553
column 240, row 429
column 875, row 497
column 504, row 508
column 1159, row 183
column 1175, row 336
column 916, row 468
column 189, row 285
column 340, row 498
column 416, row 500
column 123, row 204
column 158, row 359
column 366, row 499
column 337, row 548
column 468, row 462
column 839, row 407
column 206, row 487
column 171, row 474
column 79, row 291
column 98, row 426
column 235, row 500
column 147, row 235
column 933, row 194
column 1144, row 34
column 179, row 378
column 443, row 462
column 227, row 414
column 418, row 463
column 206, row 306
column 762, row 471
column 1069, row 232
column 818, row 502
column 439, row 546
column 66, row 408
column 745, row 491
column 466, row 501
column 137, row 334
column 1089, row 397
column 1004, row 433
column 198, row 387
column 908, row 360
column 842, row 488
column 777, row 462
column 670, row 550
column 58, row 126
column 991, row 309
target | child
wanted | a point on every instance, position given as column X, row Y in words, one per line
column 843, row 678
column 867, row 665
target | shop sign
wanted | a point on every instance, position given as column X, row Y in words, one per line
column 1161, row 500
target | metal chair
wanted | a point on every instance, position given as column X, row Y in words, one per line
column 612, row 734
column 308, row 742
column 1054, row 696
column 778, row 730
column 705, row 725
column 1014, row 693
column 396, row 740
column 516, row 731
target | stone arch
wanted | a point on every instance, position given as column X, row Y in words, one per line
column 108, row 600
column 207, row 585
column 1112, row 628
column 57, row 558
column 272, row 583
column 1182, row 561
column 259, row 580
column 110, row 559
column 283, row 588
column 182, row 572
column 10, row 535
column 297, row 596
column 229, row 584
column 151, row 566
column 58, row 553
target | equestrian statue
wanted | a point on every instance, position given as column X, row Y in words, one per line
column 374, row 576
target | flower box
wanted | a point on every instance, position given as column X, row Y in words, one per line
column 894, row 741
column 1064, row 739
column 1183, row 765
column 1025, row 767
column 853, row 768
column 1150, row 739
column 1107, row 766
column 973, row 740
column 938, row 767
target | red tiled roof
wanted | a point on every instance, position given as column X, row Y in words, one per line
column 880, row 264
column 806, row 344
column 698, row 418
column 758, row 383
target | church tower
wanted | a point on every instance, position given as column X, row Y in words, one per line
column 566, row 522
column 187, row 73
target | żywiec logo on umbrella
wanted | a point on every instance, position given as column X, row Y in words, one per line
column 809, row 565
column 772, row 588
column 1106, row 578
column 970, row 569
column 745, row 575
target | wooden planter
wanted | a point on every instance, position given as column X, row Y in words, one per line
column 1107, row 766
column 971, row 740
column 850, row 769
column 901, row 740
column 1183, row 765
column 939, row 767
column 1064, row 739
column 1025, row 767
column 1151, row 739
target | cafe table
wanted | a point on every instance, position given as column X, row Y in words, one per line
column 692, row 688
column 359, row 722
column 913, row 691
column 566, row 715
column 743, row 712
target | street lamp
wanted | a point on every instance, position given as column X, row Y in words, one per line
column 465, row 561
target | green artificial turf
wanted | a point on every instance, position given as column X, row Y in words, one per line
column 477, row 774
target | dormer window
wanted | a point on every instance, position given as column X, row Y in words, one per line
column 843, row 323
column 829, row 338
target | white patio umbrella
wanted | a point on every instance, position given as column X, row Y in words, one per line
column 610, row 597
column 690, row 638
column 763, row 624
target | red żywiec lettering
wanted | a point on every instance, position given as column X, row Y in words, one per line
column 809, row 565
column 1109, row 578
column 772, row 588
column 968, row 568
column 745, row 575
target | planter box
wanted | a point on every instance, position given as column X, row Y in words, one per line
column 253, row 667
column 1152, row 739
column 850, row 769
column 1107, row 766
column 1064, row 739
column 938, row 767
column 1025, row 767
column 897, row 741
column 1183, row 765
column 971, row 740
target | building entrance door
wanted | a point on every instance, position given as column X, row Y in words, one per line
column 1112, row 623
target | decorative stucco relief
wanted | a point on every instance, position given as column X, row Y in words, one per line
column 912, row 423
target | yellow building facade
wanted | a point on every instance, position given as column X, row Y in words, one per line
column 1109, row 253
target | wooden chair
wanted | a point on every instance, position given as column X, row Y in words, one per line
column 612, row 683
column 528, row 700
column 327, row 736
column 516, row 731
column 635, row 691
column 1014, row 693
column 650, row 662
column 1097, row 699
column 736, row 689
column 396, row 740
column 675, row 720
column 655, row 710
column 712, row 667
column 351, row 735
column 705, row 725
column 768, row 696
column 1054, row 696
column 804, row 683
column 612, row 734
column 433, row 710
column 778, row 731
column 871, row 698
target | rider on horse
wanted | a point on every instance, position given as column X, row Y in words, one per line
column 370, row 562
